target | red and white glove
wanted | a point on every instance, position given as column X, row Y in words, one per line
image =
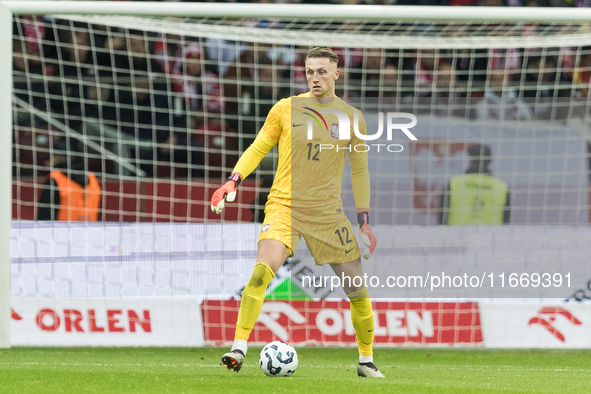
column 225, row 193
column 366, row 234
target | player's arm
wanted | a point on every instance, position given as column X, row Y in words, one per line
column 250, row 159
column 247, row 163
column 361, row 190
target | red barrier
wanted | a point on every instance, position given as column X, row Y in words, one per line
column 329, row 322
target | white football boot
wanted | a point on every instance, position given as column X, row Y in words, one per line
column 368, row 370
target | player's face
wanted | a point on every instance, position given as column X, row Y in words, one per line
column 321, row 74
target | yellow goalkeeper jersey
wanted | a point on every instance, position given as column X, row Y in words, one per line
column 310, row 171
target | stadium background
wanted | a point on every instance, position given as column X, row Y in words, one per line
column 160, row 269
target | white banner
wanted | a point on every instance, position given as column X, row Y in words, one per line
column 197, row 260
column 536, row 325
column 105, row 322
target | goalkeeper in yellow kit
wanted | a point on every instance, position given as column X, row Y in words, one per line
column 305, row 201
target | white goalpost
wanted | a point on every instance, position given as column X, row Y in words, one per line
column 5, row 175
column 510, row 78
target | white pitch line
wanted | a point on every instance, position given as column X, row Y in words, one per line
column 383, row 366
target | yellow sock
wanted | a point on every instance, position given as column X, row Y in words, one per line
column 252, row 300
column 362, row 317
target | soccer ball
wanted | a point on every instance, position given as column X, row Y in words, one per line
column 278, row 359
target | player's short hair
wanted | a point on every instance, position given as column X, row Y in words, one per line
column 318, row 52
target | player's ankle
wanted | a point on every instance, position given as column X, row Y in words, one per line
column 240, row 345
column 370, row 365
column 365, row 359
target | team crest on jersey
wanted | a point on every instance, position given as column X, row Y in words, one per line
column 334, row 131
column 265, row 228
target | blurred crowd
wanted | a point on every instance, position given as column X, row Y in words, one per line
column 195, row 102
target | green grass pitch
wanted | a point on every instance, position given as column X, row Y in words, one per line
column 321, row 370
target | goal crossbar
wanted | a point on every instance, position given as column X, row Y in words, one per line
column 355, row 12
column 300, row 34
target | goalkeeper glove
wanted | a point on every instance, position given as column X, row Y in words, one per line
column 226, row 192
column 366, row 234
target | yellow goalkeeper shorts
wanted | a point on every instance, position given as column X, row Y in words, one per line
column 332, row 241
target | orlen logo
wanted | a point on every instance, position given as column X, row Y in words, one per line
column 399, row 323
column 547, row 315
column 74, row 320
column 14, row 315
column 271, row 312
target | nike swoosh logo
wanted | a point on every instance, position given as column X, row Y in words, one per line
column 296, row 125
column 347, row 251
column 370, row 330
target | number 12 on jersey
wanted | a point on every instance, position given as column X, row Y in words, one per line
column 313, row 151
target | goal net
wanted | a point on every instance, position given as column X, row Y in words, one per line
column 160, row 108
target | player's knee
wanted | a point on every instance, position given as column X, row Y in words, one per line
column 260, row 274
column 358, row 293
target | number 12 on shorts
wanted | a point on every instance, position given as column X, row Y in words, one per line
column 344, row 238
